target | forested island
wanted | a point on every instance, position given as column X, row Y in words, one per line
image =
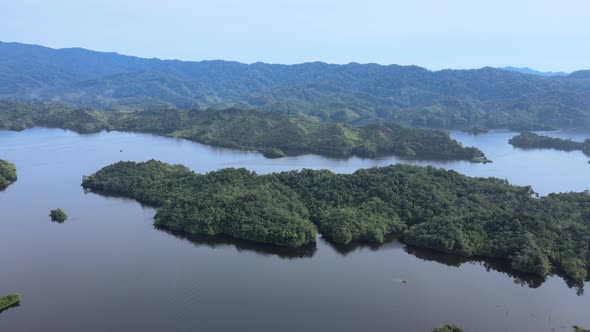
column 8, row 301
column 432, row 208
column 448, row 328
column 273, row 134
column 58, row 215
column 529, row 140
column 7, row 174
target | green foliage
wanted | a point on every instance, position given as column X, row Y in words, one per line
column 476, row 130
column 273, row 134
column 448, row 328
column 8, row 301
column 237, row 203
column 433, row 208
column 369, row 221
column 58, row 215
column 528, row 140
column 351, row 93
column 7, row 174
column 531, row 258
column 273, row 153
column 579, row 329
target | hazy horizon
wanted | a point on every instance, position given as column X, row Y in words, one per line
column 456, row 34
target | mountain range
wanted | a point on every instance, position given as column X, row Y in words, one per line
column 353, row 93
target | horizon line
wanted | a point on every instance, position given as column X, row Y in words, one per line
column 506, row 68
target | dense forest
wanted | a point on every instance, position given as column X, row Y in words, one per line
column 528, row 140
column 432, row 208
column 352, row 93
column 7, row 174
column 271, row 133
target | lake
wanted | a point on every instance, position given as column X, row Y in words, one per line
column 108, row 269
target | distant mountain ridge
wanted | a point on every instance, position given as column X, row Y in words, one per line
column 527, row 70
column 353, row 93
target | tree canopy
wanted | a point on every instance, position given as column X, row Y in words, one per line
column 58, row 215
column 7, row 174
column 448, row 328
column 8, row 301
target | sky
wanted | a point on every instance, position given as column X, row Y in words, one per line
column 436, row 34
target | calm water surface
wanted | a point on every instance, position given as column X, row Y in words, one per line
column 109, row 269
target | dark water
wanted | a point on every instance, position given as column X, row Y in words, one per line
column 109, row 269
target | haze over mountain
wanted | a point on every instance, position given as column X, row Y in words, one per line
column 527, row 70
column 353, row 93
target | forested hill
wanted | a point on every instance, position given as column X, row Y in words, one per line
column 353, row 93
column 275, row 135
column 434, row 208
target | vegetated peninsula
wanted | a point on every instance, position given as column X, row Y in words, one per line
column 273, row 134
column 7, row 174
column 432, row 208
column 529, row 140
column 8, row 301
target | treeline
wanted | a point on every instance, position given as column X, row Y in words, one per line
column 433, row 208
column 528, row 140
column 7, row 174
column 273, row 134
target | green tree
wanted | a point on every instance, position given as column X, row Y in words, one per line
column 448, row 328
column 58, row 215
column 7, row 174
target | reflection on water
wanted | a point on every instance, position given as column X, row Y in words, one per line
column 390, row 242
column 221, row 241
column 108, row 269
column 497, row 265
column 12, row 307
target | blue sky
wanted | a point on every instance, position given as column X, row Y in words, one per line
column 437, row 34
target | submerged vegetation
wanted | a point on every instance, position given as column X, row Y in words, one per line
column 58, row 215
column 7, row 174
column 528, row 140
column 432, row 208
column 273, row 134
column 8, row 301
